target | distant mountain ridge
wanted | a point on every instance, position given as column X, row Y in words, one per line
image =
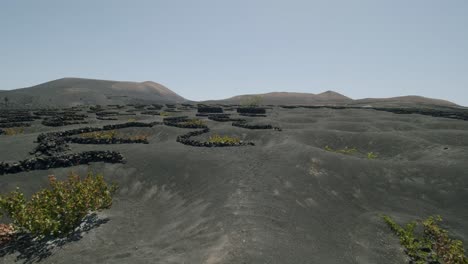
column 334, row 98
column 79, row 91
column 328, row 97
column 404, row 101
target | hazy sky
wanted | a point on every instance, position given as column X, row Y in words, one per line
column 210, row 49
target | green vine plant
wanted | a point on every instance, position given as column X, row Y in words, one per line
column 58, row 210
column 433, row 245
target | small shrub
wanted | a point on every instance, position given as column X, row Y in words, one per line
column 58, row 210
column 347, row 151
column 112, row 134
column 11, row 131
column 194, row 122
column 371, row 155
column 224, row 139
column 327, row 148
column 408, row 240
column 448, row 250
column 109, row 134
column 164, row 114
column 432, row 246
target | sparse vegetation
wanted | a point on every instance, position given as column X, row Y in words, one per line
column 58, row 210
column 433, row 245
column 112, row 134
column 164, row 114
column 224, row 139
column 351, row 151
column 193, row 122
column 11, row 131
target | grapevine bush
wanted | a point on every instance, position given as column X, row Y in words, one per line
column 59, row 209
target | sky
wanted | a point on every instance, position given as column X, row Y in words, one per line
column 214, row 49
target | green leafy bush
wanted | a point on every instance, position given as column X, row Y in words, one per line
column 432, row 246
column 58, row 210
column 448, row 250
column 408, row 240
column 371, row 155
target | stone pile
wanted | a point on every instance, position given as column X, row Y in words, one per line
column 244, row 124
column 19, row 124
column 210, row 109
column 251, row 110
column 102, row 141
column 67, row 160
